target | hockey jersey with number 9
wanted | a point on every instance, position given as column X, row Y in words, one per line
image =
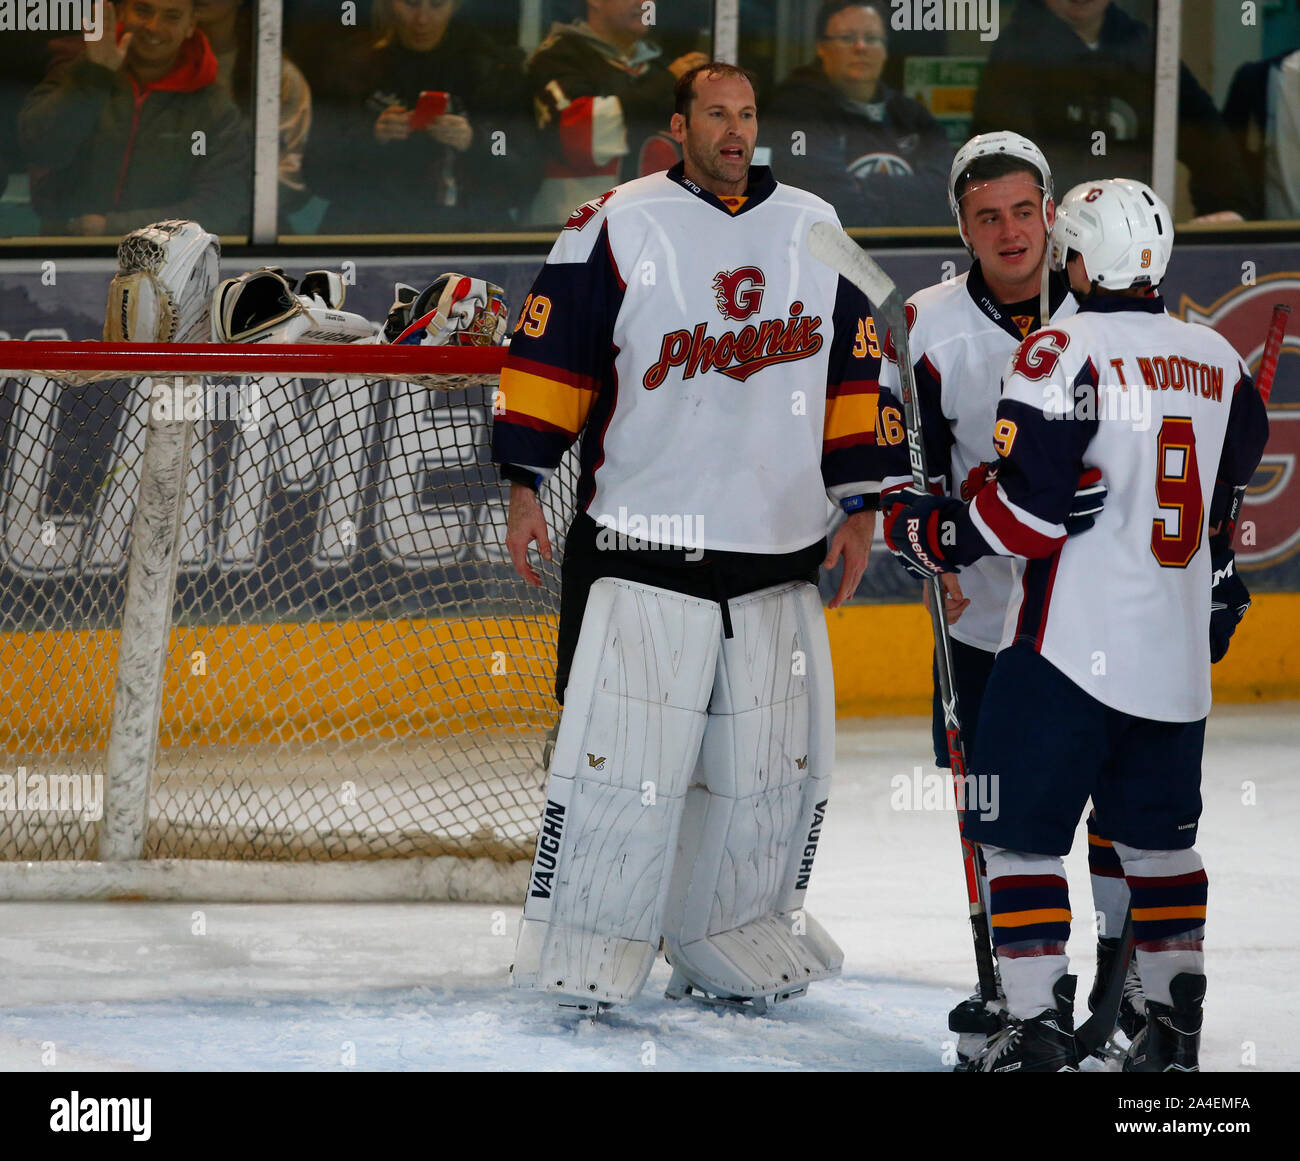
column 1168, row 411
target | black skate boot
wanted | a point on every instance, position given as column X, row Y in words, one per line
column 974, row 1021
column 1043, row 1044
column 1130, row 1017
column 1171, row 1037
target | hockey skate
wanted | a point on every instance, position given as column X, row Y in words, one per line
column 1044, row 1043
column 682, row 987
column 1170, row 1039
column 1130, row 1018
column 975, row 1020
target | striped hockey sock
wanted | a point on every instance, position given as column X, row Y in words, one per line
column 1169, row 891
column 1109, row 889
column 1029, row 911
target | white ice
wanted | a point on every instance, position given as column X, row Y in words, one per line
column 424, row 986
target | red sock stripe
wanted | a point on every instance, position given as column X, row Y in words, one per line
column 1141, row 881
column 1003, row 882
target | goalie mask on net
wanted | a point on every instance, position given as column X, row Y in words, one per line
column 453, row 310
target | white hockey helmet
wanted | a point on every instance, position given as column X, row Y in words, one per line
column 989, row 145
column 1120, row 226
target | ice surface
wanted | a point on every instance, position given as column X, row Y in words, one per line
column 424, row 986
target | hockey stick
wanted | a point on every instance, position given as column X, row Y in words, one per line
column 843, row 255
column 1272, row 349
column 1098, row 1028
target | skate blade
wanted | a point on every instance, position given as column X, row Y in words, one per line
column 574, row 1006
column 750, row 1005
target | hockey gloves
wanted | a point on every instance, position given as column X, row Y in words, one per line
column 930, row 534
column 1229, row 600
column 1089, row 497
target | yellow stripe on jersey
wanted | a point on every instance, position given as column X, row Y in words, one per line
column 1025, row 918
column 853, row 414
column 558, row 404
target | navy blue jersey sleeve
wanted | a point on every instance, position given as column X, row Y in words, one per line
column 852, row 461
column 561, row 353
column 1023, row 511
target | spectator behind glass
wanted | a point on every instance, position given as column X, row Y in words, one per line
column 111, row 133
column 383, row 171
column 1064, row 70
column 1263, row 113
column 877, row 156
column 228, row 25
column 602, row 96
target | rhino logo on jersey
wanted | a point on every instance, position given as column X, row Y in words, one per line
column 739, row 292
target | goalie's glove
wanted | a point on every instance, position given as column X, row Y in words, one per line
column 1229, row 600
column 162, row 290
column 930, row 534
column 260, row 306
column 453, row 310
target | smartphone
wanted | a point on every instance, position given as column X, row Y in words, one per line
column 430, row 106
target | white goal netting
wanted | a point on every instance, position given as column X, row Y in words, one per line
column 350, row 670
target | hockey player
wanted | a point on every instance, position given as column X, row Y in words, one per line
column 962, row 332
column 723, row 385
column 1102, row 685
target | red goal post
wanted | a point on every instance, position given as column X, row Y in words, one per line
column 258, row 630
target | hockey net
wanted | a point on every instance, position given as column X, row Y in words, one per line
column 259, row 633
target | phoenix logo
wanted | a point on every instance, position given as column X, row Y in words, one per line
column 739, row 292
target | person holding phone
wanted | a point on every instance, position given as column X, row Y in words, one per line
column 416, row 140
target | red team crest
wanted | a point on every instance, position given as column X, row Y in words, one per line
column 739, row 292
column 1273, row 499
column 588, row 210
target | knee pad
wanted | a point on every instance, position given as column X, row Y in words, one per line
column 735, row 927
column 629, row 737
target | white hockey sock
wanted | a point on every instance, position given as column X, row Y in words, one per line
column 1172, row 884
column 1030, row 915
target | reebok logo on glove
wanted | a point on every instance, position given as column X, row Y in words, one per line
column 913, row 528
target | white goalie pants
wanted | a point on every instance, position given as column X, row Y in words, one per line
column 686, row 793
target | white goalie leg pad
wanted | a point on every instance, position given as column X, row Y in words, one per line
column 634, row 715
column 735, row 925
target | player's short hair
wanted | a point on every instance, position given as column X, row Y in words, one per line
column 835, row 7
column 684, row 90
column 993, row 166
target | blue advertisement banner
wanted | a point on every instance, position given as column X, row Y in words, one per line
column 350, row 498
